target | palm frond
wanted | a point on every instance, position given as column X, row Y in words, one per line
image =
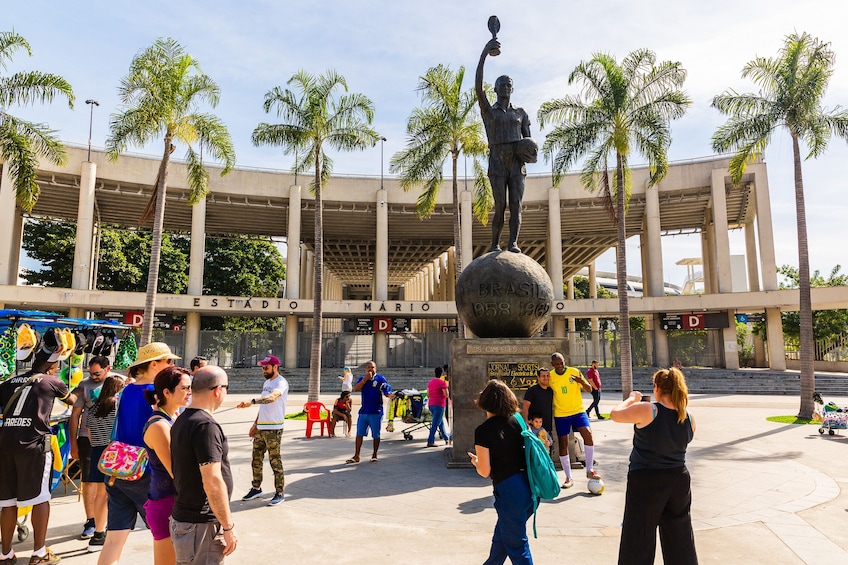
column 26, row 88
column 10, row 42
column 482, row 201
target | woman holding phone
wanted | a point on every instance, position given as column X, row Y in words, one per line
column 499, row 455
column 658, row 483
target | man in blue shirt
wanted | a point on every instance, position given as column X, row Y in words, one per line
column 373, row 387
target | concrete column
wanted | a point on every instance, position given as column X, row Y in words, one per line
column 594, row 321
column 294, row 273
column 774, row 331
column 197, row 256
column 722, row 262
column 572, row 322
column 293, row 258
column 309, row 287
column 554, row 255
column 304, row 271
column 381, row 271
column 706, row 257
column 653, row 276
column 768, row 266
column 11, row 230
column 751, row 257
column 197, row 251
column 192, row 336
column 83, row 256
column 466, row 219
column 451, row 282
column 381, row 262
column 721, row 238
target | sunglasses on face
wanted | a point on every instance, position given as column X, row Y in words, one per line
column 96, row 373
column 225, row 387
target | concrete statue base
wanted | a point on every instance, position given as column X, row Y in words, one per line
column 474, row 362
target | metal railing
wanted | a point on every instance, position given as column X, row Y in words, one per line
column 232, row 349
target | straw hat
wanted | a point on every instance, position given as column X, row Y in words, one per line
column 153, row 352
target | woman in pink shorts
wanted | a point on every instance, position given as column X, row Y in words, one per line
column 171, row 391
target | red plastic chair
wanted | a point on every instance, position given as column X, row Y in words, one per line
column 313, row 416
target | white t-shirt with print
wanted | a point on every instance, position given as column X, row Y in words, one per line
column 273, row 416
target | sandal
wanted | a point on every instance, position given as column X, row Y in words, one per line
column 352, row 461
column 47, row 558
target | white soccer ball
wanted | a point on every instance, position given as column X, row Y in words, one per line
column 596, row 486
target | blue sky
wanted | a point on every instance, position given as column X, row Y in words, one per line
column 382, row 47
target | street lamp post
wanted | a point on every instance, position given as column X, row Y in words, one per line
column 382, row 141
column 91, row 102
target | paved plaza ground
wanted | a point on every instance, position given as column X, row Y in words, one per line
column 762, row 492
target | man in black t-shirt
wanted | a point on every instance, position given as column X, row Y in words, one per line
column 201, row 522
column 539, row 399
column 25, row 467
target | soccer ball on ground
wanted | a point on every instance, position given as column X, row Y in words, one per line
column 596, row 486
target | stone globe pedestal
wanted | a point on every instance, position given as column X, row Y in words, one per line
column 503, row 294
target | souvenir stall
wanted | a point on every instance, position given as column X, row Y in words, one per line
column 71, row 342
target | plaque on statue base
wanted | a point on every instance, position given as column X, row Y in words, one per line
column 474, row 362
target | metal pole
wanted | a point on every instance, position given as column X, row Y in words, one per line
column 382, row 142
column 91, row 103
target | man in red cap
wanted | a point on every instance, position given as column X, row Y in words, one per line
column 267, row 430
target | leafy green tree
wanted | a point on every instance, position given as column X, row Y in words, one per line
column 22, row 143
column 446, row 125
column 122, row 260
column 161, row 96
column 315, row 116
column 827, row 324
column 624, row 108
column 242, row 266
column 792, row 86
column 234, row 266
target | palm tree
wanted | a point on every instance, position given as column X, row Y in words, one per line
column 627, row 107
column 161, row 96
column 446, row 125
column 314, row 116
column 23, row 142
column 791, row 89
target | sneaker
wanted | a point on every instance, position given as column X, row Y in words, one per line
column 252, row 493
column 592, row 475
column 602, row 417
column 96, row 542
column 87, row 530
column 568, row 483
column 47, row 559
column 278, row 498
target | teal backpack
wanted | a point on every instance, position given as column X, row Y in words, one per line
column 541, row 472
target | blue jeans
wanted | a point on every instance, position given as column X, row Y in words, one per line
column 514, row 505
column 438, row 413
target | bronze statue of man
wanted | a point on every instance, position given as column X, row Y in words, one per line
column 510, row 147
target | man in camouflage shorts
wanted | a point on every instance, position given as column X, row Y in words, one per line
column 267, row 430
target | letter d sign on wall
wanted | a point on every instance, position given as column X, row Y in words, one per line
column 693, row 321
column 382, row 324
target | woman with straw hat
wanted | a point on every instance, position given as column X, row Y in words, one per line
column 127, row 498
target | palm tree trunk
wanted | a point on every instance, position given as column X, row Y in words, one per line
column 314, row 390
column 621, row 274
column 457, row 236
column 808, row 375
column 156, row 247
